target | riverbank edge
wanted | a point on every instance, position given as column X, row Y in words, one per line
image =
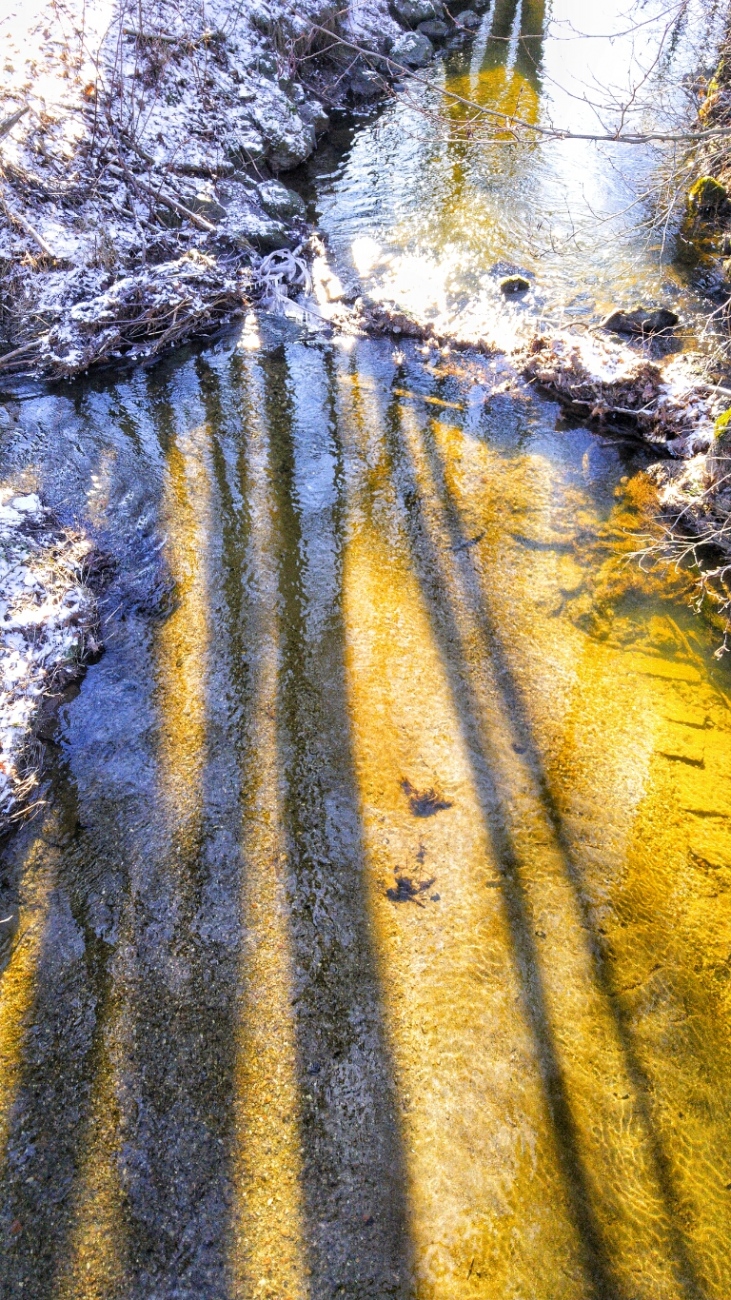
column 170, row 215
column 51, row 577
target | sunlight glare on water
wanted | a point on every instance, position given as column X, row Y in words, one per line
column 432, row 219
column 374, row 939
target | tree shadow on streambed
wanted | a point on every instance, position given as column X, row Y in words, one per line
column 353, row 1172
column 441, row 582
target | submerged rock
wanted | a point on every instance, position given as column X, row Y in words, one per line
column 641, row 320
column 412, row 49
column 512, row 284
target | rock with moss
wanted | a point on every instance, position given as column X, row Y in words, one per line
column 707, row 197
column 722, row 431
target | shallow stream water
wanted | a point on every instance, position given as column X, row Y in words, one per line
column 375, row 937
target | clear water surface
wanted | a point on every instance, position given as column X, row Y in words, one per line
column 375, row 937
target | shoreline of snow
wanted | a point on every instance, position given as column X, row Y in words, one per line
column 48, row 632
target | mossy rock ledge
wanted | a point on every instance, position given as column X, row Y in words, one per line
column 722, row 432
column 707, row 197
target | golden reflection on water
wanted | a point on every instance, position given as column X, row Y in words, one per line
column 183, row 643
column 94, row 1268
column 268, row 1251
column 19, row 979
column 553, row 944
column 541, row 1109
column 95, row 1257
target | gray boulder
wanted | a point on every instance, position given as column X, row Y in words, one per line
column 288, row 140
column 435, row 30
column 409, row 13
column 365, row 84
column 312, row 112
column 279, row 202
column 468, row 20
column 413, row 49
column 255, row 231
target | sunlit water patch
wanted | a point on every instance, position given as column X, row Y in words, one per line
column 431, row 215
column 376, row 938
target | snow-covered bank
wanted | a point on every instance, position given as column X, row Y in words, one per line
column 136, row 135
column 667, row 402
column 48, row 629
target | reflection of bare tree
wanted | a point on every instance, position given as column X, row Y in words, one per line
column 507, row 77
column 530, row 41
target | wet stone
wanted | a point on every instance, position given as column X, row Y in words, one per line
column 641, row 320
column 312, row 112
column 434, row 29
column 366, row 84
column 514, row 284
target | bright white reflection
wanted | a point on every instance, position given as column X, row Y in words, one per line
column 250, row 339
column 366, row 254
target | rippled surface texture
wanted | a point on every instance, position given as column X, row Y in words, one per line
column 375, row 937
column 432, row 216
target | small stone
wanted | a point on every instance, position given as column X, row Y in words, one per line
column 468, row 20
column 412, row 49
column 435, row 30
column 514, row 284
column 280, row 202
column 365, row 84
column 409, row 13
column 641, row 320
column 312, row 111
